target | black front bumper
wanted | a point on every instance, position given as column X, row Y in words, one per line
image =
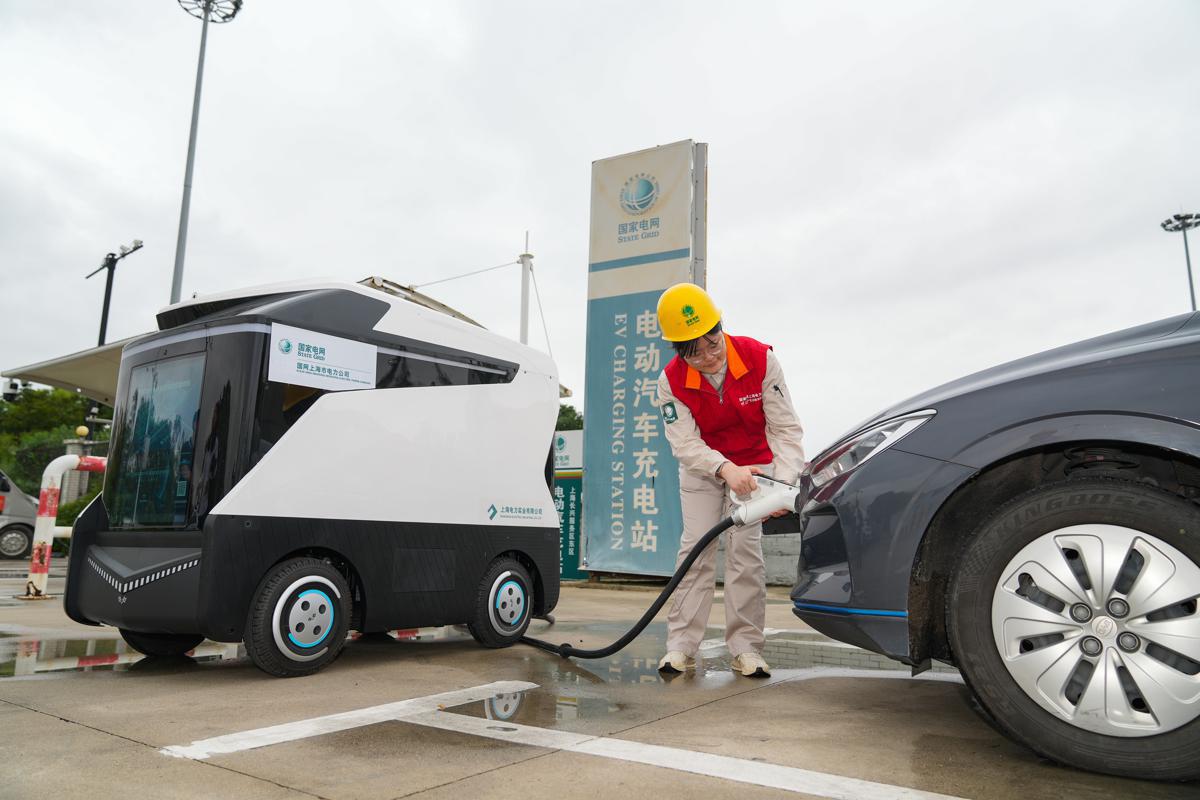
column 146, row 581
column 860, row 534
column 148, row 589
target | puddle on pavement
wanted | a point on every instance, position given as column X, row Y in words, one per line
column 23, row 656
column 24, row 653
column 784, row 650
column 581, row 689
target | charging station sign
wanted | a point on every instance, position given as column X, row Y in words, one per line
column 647, row 233
column 568, row 500
column 319, row 360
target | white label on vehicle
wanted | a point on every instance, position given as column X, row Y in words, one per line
column 306, row 358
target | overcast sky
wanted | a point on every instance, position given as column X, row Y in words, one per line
column 900, row 193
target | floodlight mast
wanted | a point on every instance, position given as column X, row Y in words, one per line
column 218, row 11
column 1181, row 223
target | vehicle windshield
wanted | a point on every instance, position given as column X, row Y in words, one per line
column 150, row 474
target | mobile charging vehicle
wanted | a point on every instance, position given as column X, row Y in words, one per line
column 295, row 461
column 1037, row 525
column 18, row 511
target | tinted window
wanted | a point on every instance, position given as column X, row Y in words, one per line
column 150, row 474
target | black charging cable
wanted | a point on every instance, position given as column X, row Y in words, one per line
column 567, row 651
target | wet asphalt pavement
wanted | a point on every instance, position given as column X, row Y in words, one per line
column 430, row 713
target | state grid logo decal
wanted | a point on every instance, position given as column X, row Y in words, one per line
column 639, row 194
column 285, row 346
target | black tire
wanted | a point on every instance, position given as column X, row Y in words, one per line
column 299, row 618
column 1170, row 755
column 162, row 645
column 503, row 604
column 10, row 538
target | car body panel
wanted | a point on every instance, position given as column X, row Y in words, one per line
column 1137, row 387
column 1061, row 361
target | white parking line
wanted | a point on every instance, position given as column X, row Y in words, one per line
column 741, row 770
column 427, row 711
column 305, row 728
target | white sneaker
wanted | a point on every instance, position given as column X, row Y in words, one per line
column 676, row 661
column 751, row 665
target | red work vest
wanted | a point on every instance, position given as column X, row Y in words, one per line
column 732, row 423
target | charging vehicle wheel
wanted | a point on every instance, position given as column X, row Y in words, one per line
column 503, row 605
column 15, row 542
column 299, row 618
column 163, row 645
column 1073, row 617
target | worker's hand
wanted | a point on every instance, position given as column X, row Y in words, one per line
column 740, row 479
column 783, row 512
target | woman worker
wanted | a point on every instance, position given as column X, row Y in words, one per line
column 728, row 415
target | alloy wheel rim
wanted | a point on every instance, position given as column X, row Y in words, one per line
column 12, row 543
column 1129, row 674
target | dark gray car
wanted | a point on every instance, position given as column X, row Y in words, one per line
column 1037, row 525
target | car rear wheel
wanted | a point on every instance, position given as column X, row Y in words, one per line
column 15, row 542
column 1073, row 617
column 163, row 645
column 299, row 618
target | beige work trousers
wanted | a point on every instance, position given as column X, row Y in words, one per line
column 705, row 502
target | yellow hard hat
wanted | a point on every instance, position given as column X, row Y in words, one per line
column 685, row 311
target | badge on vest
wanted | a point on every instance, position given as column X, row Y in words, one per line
column 669, row 413
column 746, row 400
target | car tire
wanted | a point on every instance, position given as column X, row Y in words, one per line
column 162, row 645
column 16, row 541
column 1089, row 546
column 503, row 604
column 298, row 619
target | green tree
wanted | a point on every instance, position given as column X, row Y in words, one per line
column 569, row 419
column 67, row 512
column 42, row 410
column 23, row 458
column 34, row 451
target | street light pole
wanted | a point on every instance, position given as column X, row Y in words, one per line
column 217, row 11
column 110, row 264
column 1181, row 223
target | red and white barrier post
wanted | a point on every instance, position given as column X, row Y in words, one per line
column 44, row 529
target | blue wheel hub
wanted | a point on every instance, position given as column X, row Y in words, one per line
column 508, row 603
column 310, row 619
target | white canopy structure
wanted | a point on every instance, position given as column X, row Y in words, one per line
column 93, row 373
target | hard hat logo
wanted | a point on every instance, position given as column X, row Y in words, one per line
column 697, row 313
